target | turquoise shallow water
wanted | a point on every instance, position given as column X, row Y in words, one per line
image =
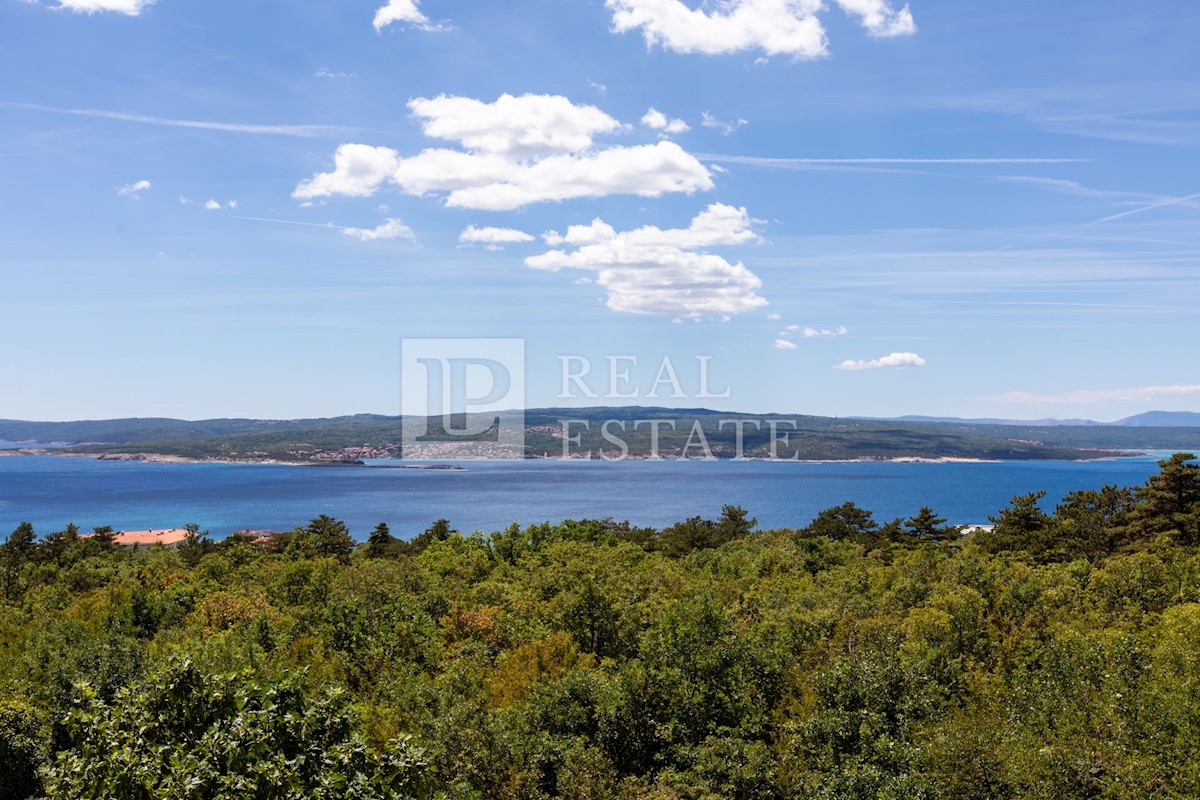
column 51, row 491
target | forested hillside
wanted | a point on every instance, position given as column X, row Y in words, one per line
column 593, row 430
column 1057, row 656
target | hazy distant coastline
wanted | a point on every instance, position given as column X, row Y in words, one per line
column 600, row 432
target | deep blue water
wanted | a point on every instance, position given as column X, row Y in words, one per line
column 50, row 491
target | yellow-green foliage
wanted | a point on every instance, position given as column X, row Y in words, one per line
column 1057, row 657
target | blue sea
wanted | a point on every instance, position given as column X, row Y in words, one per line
column 51, row 491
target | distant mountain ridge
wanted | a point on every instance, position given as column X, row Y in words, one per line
column 153, row 429
column 1150, row 419
column 1162, row 419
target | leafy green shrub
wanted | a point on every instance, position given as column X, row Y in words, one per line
column 183, row 734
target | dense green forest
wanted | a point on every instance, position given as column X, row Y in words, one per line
column 1056, row 656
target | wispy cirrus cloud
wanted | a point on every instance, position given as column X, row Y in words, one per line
column 1161, row 202
column 1142, row 208
column 1076, row 189
column 1073, row 188
column 1149, row 115
column 326, row 72
column 896, row 360
column 389, row 229
column 1142, row 393
column 811, row 163
column 303, row 131
column 727, row 128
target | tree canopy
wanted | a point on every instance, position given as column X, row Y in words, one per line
column 1056, row 655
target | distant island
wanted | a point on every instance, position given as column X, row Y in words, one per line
column 692, row 433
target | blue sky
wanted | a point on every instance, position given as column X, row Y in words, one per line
column 856, row 208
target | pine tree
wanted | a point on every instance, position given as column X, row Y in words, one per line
column 331, row 537
column 21, row 539
column 16, row 552
column 1170, row 500
column 380, row 542
column 105, row 536
column 439, row 531
column 1021, row 526
column 845, row 522
column 929, row 527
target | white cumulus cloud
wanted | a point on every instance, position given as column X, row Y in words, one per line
column 514, row 152
column 494, row 238
column 130, row 7
column 405, row 12
column 893, row 360
column 661, row 122
column 784, row 344
column 358, row 171
column 524, row 126
column 212, row 205
column 134, row 190
column 664, row 272
column 879, row 18
column 392, row 229
column 775, row 27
